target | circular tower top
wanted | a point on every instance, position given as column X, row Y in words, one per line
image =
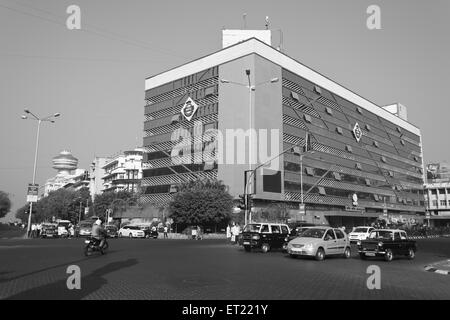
column 65, row 162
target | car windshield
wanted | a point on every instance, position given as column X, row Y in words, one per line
column 313, row 233
column 300, row 231
column 252, row 227
column 361, row 230
column 385, row 235
column 111, row 228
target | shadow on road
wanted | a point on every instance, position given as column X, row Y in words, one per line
column 59, row 291
column 49, row 268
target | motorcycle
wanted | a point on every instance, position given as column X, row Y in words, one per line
column 93, row 245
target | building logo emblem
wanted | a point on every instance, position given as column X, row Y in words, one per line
column 189, row 109
column 355, row 200
column 357, row 132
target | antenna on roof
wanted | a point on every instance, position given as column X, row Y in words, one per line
column 244, row 17
column 267, row 22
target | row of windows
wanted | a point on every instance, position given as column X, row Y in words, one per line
column 441, row 191
column 296, row 187
column 442, row 202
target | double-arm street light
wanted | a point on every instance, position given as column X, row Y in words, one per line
column 250, row 88
column 32, row 116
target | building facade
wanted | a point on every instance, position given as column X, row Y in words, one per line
column 437, row 194
column 68, row 174
column 97, row 172
column 231, row 111
column 123, row 172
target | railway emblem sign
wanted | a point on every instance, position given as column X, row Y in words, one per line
column 189, row 109
column 357, row 132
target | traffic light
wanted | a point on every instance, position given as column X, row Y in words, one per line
column 241, row 202
column 249, row 201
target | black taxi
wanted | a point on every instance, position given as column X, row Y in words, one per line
column 264, row 236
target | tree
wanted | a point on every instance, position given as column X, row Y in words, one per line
column 201, row 203
column 110, row 199
column 5, row 204
column 62, row 204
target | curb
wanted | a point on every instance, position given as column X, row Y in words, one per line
column 431, row 268
column 429, row 237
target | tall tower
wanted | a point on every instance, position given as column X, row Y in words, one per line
column 65, row 163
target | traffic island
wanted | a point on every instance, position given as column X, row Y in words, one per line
column 441, row 267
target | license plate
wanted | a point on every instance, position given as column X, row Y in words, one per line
column 370, row 254
column 246, row 243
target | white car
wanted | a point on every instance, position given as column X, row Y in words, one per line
column 359, row 233
column 131, row 232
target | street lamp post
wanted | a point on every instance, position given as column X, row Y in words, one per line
column 250, row 158
column 39, row 120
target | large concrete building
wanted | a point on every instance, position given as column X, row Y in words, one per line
column 365, row 163
column 437, row 194
column 123, row 172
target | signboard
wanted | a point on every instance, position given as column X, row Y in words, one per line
column 32, row 193
column 355, row 200
column 189, row 109
column 301, row 209
column 357, row 132
column 86, row 210
column 348, row 208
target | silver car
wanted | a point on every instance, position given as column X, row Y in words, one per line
column 320, row 242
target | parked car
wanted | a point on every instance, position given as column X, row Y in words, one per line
column 49, row 231
column 319, row 242
column 294, row 234
column 84, row 229
column 264, row 236
column 387, row 243
column 131, row 231
column 111, row 231
column 63, row 228
column 359, row 233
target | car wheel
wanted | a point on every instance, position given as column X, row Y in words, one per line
column 265, row 247
column 248, row 248
column 411, row 254
column 362, row 256
column 130, row 235
column 293, row 256
column 389, row 255
column 347, row 253
column 320, row 254
column 120, row 234
column 87, row 250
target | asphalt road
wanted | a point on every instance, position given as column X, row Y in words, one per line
column 208, row 269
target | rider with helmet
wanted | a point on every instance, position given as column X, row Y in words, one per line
column 98, row 232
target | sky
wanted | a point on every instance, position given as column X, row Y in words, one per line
column 95, row 76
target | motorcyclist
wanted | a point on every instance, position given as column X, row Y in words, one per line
column 98, row 233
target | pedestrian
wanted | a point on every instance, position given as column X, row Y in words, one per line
column 199, row 233
column 233, row 234
column 194, row 233
column 38, row 229
column 165, row 232
column 33, row 230
column 228, row 233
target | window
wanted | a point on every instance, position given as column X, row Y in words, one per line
column 317, row 90
column 328, row 110
column 402, row 142
column 339, row 130
column 376, row 197
column 307, row 118
column 449, row 202
column 337, row 176
column 276, row 229
column 339, row 234
column 309, row 171
column 322, row 191
column 435, row 203
column 173, row 188
column 329, row 235
column 358, row 166
column 403, row 235
column 209, row 165
column 294, row 95
column 416, row 159
column 383, row 158
column 209, row 91
column 284, row 230
column 265, row 228
column 359, row 110
column 368, row 127
column 404, row 201
column 375, row 143
column 349, row 148
column 443, row 202
column 397, row 236
column 368, row 182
